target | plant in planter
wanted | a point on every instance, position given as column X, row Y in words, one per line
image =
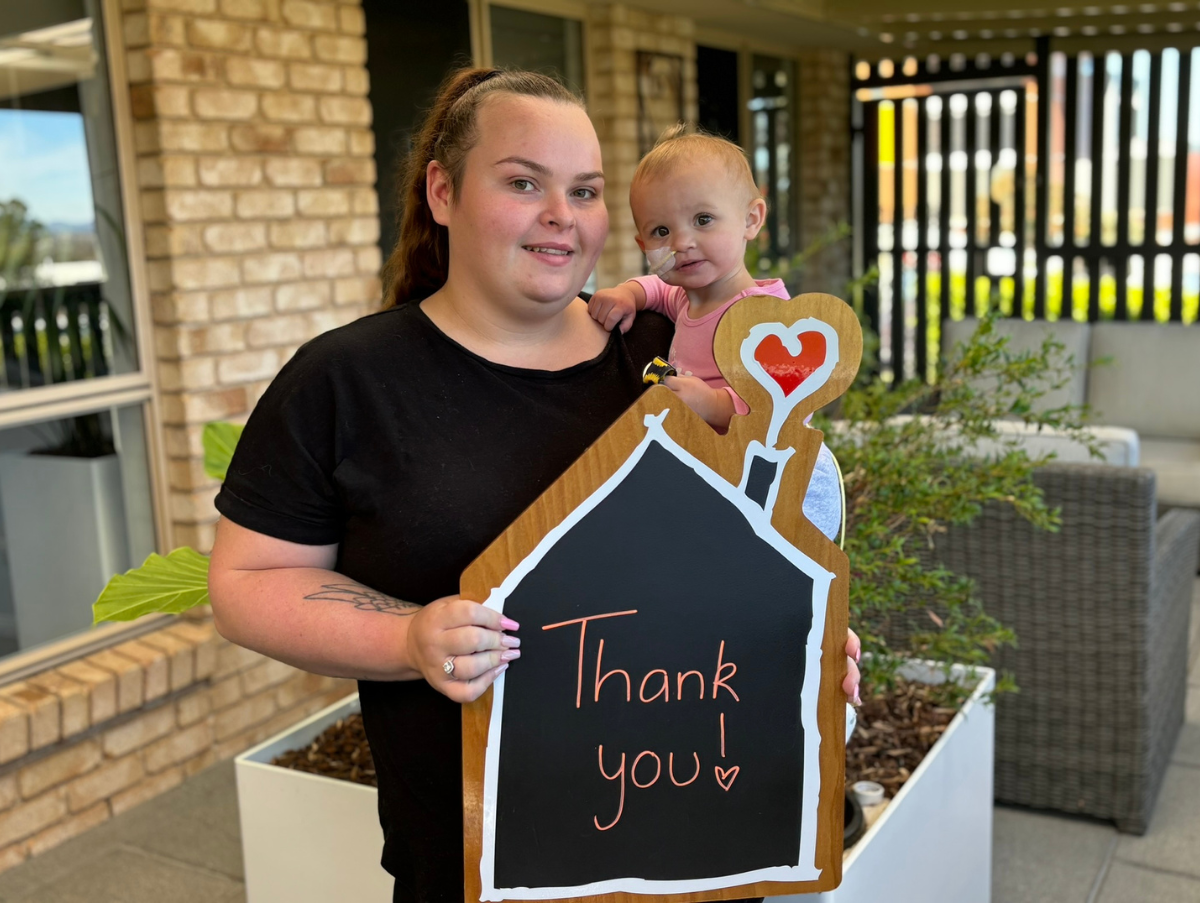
column 919, row 457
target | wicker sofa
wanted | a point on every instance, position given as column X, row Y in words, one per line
column 1101, row 610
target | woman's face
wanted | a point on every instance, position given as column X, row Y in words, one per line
column 529, row 220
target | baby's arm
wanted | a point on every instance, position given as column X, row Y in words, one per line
column 617, row 306
column 716, row 406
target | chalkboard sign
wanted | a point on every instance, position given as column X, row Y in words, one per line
column 663, row 731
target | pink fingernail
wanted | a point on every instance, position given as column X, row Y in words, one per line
column 509, row 624
column 857, row 698
column 858, row 655
column 509, row 655
column 502, row 669
column 510, row 642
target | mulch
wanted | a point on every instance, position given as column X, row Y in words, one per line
column 894, row 733
column 341, row 751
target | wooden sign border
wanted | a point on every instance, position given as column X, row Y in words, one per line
column 724, row 454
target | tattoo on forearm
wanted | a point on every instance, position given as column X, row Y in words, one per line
column 365, row 599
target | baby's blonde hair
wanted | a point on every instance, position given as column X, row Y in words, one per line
column 684, row 144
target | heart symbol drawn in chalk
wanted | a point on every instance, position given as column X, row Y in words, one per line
column 787, row 369
column 725, row 776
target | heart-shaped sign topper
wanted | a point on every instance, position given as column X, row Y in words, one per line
column 790, row 362
column 787, row 369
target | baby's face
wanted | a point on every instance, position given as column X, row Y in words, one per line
column 701, row 214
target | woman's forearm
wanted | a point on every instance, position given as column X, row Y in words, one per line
column 314, row 619
column 283, row 599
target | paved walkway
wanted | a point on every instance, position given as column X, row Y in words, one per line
column 185, row 847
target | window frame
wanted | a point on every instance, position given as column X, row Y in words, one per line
column 481, row 26
column 137, row 388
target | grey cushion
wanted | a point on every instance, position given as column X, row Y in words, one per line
column 1151, row 384
column 1176, row 466
column 1028, row 336
column 1118, row 445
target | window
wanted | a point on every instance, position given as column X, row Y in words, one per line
column 539, row 42
column 772, row 88
column 75, row 499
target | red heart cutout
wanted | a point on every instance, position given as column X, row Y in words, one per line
column 787, row 369
column 725, row 776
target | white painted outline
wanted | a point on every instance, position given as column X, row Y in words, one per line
column 805, row 868
column 782, row 405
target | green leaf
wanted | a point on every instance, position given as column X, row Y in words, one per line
column 161, row 585
column 220, row 439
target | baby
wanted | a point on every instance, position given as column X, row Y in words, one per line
column 695, row 205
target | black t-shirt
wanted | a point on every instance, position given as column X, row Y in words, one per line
column 412, row 453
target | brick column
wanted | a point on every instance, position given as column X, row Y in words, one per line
column 615, row 34
column 823, row 144
column 256, row 175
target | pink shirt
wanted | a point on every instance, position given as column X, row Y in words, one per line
column 692, row 349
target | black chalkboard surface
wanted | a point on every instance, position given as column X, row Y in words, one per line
column 653, row 728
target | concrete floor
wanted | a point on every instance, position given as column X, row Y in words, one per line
column 185, row 846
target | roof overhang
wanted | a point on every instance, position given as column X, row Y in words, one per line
column 883, row 28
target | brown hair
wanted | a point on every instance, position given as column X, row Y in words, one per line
column 419, row 263
column 683, row 144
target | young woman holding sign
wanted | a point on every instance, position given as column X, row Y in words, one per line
column 388, row 453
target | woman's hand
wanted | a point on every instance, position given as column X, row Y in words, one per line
column 469, row 636
column 853, row 656
column 614, row 307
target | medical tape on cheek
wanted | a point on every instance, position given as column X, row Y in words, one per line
column 660, row 260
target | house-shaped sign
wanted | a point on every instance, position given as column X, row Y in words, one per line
column 675, row 725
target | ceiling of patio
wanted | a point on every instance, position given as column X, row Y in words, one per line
column 880, row 28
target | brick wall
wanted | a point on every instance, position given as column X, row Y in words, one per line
column 823, row 145
column 615, row 34
column 93, row 738
column 255, row 167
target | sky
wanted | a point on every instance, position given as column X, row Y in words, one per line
column 43, row 162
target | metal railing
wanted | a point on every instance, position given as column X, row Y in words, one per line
column 1050, row 185
column 52, row 335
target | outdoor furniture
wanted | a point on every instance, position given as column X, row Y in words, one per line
column 1138, row 376
column 1101, row 611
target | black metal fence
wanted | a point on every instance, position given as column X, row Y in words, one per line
column 1050, row 186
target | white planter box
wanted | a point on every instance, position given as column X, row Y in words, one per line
column 311, row 839
column 308, row 838
column 933, row 843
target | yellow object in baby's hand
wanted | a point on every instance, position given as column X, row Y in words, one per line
column 656, row 371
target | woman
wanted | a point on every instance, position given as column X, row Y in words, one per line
column 388, row 453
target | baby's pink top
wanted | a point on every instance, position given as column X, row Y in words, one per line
column 692, row 349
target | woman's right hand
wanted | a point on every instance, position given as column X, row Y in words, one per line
column 470, row 635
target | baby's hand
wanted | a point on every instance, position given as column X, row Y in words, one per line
column 714, row 405
column 616, row 306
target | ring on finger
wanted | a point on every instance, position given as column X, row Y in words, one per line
column 448, row 667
